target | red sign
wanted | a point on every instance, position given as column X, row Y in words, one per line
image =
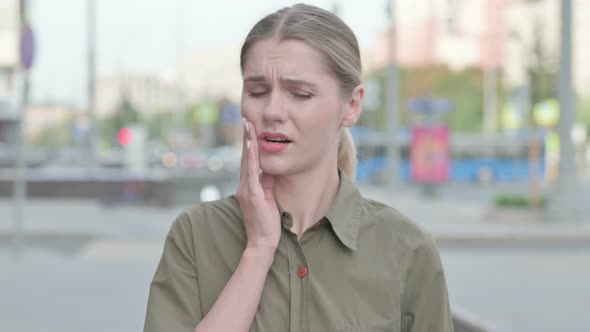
column 430, row 154
column 125, row 136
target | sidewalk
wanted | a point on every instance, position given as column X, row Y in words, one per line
column 77, row 250
column 455, row 217
column 464, row 221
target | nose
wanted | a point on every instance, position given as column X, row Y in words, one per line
column 274, row 110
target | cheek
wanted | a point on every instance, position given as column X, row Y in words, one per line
column 328, row 115
column 247, row 108
column 323, row 122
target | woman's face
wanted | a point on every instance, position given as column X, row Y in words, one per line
column 296, row 106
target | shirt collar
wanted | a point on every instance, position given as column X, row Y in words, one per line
column 344, row 216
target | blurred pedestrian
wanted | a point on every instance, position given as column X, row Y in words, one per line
column 298, row 248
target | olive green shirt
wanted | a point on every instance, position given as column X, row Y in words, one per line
column 362, row 268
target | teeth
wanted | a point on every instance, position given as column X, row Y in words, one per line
column 278, row 140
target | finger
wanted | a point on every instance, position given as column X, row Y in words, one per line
column 244, row 159
column 267, row 182
column 253, row 179
column 254, row 143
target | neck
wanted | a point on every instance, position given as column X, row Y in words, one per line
column 307, row 196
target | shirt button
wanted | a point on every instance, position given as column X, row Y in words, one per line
column 302, row 271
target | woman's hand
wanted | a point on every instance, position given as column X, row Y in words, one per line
column 256, row 197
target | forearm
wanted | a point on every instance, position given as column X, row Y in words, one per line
column 236, row 307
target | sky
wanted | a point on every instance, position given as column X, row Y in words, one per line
column 150, row 35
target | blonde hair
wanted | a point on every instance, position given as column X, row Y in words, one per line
column 327, row 33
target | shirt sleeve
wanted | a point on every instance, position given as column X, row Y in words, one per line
column 173, row 302
column 425, row 303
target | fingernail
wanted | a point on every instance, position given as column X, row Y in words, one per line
column 248, row 145
column 245, row 123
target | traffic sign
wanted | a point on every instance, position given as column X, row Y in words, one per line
column 430, row 105
column 27, row 47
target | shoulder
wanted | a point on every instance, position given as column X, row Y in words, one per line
column 218, row 211
column 404, row 231
column 223, row 208
column 412, row 245
column 206, row 218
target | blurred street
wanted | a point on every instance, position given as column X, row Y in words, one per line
column 87, row 267
column 116, row 116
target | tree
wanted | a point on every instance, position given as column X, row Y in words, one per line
column 583, row 112
column 124, row 115
column 541, row 69
column 463, row 88
column 160, row 125
column 56, row 136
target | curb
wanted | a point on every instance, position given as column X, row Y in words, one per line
column 513, row 240
column 490, row 238
column 59, row 241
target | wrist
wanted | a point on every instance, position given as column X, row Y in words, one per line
column 262, row 247
column 259, row 255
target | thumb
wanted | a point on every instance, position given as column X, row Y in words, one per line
column 267, row 182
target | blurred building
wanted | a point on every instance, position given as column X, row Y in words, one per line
column 527, row 18
column 9, row 60
column 210, row 74
column 8, row 122
column 149, row 94
column 484, row 34
column 9, row 33
column 214, row 74
column 40, row 117
column 458, row 33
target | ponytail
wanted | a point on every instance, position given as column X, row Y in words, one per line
column 347, row 159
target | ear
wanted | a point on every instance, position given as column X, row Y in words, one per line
column 353, row 107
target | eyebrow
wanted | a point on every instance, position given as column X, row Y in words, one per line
column 259, row 78
column 287, row 81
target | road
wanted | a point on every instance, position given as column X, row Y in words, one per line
column 86, row 267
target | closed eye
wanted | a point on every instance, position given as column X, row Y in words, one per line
column 301, row 96
column 257, row 94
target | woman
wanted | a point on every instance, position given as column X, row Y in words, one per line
column 298, row 248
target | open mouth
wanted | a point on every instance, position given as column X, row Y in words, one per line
column 277, row 140
column 274, row 142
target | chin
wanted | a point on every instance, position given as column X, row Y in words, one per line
column 275, row 167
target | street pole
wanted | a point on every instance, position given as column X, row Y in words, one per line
column 20, row 185
column 392, row 101
column 490, row 97
column 565, row 206
column 91, row 72
column 490, row 77
column 182, row 66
